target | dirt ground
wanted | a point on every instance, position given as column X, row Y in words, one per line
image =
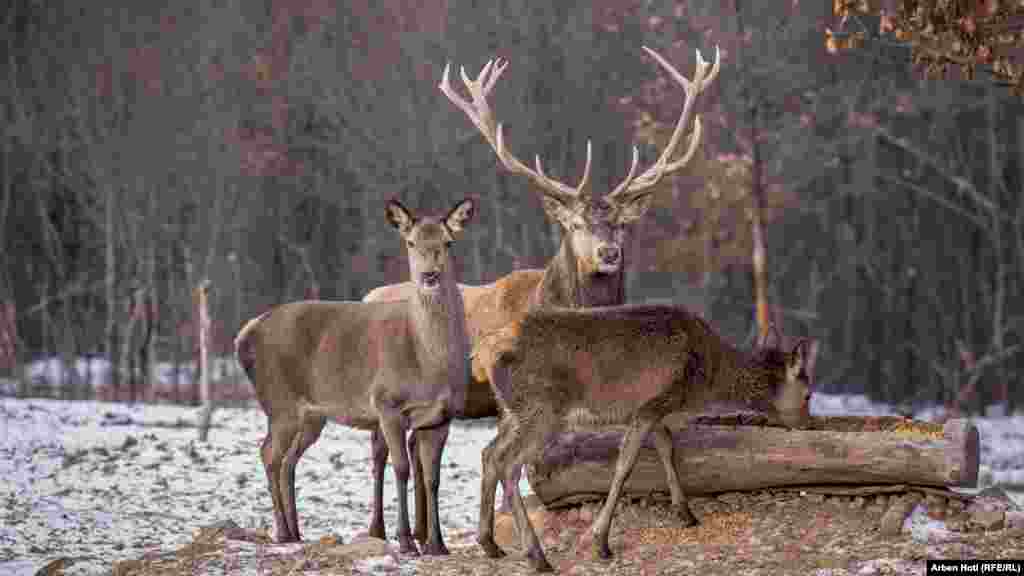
column 765, row 532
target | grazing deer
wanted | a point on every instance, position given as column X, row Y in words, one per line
column 383, row 366
column 629, row 365
column 588, row 269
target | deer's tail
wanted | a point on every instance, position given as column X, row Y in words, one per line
column 245, row 346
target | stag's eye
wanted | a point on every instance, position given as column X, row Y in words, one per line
column 410, row 243
column 448, row 244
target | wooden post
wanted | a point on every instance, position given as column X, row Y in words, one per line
column 205, row 394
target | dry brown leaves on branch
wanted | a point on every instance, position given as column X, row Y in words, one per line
column 945, row 36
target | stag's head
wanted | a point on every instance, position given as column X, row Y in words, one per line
column 429, row 240
column 593, row 225
column 789, row 375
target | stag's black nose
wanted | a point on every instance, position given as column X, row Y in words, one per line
column 431, row 279
column 608, row 254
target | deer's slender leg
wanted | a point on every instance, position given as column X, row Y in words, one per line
column 628, row 451
column 508, row 485
column 305, row 438
column 431, row 446
column 420, row 530
column 394, row 435
column 379, row 455
column 524, row 447
column 664, row 446
column 272, row 467
column 280, row 437
column 488, row 486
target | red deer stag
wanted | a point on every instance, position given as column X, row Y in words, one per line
column 384, row 366
column 589, row 267
column 623, row 365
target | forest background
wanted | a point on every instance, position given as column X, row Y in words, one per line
column 240, row 153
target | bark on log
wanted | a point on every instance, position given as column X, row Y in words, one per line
column 742, row 452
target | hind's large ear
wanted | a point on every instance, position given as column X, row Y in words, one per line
column 805, row 352
column 399, row 216
column 459, row 215
column 771, row 339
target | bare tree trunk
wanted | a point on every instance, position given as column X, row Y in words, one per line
column 111, row 291
column 999, row 290
column 126, row 360
column 152, row 303
column 1019, row 234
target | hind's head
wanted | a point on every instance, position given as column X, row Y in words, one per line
column 429, row 240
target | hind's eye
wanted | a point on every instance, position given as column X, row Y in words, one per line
column 448, row 244
column 410, row 243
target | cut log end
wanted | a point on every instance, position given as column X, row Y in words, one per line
column 963, row 452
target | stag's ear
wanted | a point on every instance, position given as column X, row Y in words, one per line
column 399, row 216
column 631, row 209
column 459, row 215
column 558, row 211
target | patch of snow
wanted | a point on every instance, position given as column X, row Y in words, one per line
column 98, row 482
column 923, row 528
column 849, row 405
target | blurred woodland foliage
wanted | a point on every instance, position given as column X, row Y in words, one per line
column 149, row 149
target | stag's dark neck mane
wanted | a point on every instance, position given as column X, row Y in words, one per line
column 563, row 285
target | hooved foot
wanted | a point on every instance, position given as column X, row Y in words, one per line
column 435, row 549
column 286, row 537
column 601, row 549
column 407, row 546
column 683, row 515
column 536, row 559
column 377, row 531
column 491, row 550
column 420, row 536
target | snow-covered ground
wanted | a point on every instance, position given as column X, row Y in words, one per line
column 96, row 482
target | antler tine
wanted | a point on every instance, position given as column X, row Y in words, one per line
column 585, row 179
column 479, row 113
column 701, row 79
column 629, row 177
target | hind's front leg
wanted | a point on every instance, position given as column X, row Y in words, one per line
column 379, row 456
column 394, row 435
column 419, row 531
column 431, row 446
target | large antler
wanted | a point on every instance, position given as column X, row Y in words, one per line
column 479, row 112
column 701, row 78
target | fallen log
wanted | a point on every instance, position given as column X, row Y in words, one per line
column 745, row 452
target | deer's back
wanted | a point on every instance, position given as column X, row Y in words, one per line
column 601, row 361
column 328, row 352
